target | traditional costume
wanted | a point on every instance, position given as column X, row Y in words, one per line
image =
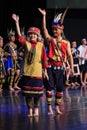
column 35, row 60
column 56, row 57
column 11, row 64
column 3, row 55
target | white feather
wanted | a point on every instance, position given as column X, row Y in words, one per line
column 57, row 17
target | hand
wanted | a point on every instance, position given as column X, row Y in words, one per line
column 72, row 72
column 45, row 75
column 15, row 17
column 43, row 12
column 21, row 54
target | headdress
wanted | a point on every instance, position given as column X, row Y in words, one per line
column 10, row 32
column 58, row 19
column 34, row 30
column 23, row 31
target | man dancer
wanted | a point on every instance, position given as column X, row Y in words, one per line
column 58, row 48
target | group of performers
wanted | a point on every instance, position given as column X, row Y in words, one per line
column 41, row 69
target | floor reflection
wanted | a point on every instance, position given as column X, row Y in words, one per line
column 13, row 112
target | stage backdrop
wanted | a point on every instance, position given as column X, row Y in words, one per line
column 79, row 4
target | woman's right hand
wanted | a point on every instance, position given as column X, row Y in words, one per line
column 15, row 17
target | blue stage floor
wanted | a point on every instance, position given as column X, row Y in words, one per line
column 13, row 112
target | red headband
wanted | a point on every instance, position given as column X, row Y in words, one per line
column 34, row 30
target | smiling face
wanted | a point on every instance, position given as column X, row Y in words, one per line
column 56, row 31
column 33, row 34
column 32, row 37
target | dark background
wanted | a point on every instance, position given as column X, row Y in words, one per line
column 75, row 21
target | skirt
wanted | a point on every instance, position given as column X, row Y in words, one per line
column 31, row 87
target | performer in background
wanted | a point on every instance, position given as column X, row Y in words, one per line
column 35, row 60
column 82, row 48
column 21, row 59
column 58, row 49
column 75, row 53
column 3, row 55
column 11, row 65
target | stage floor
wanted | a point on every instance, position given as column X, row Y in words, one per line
column 13, row 112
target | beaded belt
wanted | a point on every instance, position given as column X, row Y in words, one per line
column 58, row 67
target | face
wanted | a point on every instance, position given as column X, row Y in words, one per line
column 12, row 38
column 32, row 37
column 57, row 31
column 84, row 42
column 74, row 44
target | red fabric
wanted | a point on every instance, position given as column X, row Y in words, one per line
column 59, row 94
column 33, row 88
column 34, row 30
column 52, row 48
column 43, row 55
column 33, row 44
column 51, row 53
column 22, row 40
column 63, row 48
column 49, row 93
column 54, row 63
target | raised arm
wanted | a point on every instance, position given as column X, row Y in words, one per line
column 45, row 31
column 16, row 19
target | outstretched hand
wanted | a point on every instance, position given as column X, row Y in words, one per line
column 43, row 12
column 15, row 17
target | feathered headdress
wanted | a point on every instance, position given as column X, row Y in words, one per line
column 58, row 19
column 10, row 32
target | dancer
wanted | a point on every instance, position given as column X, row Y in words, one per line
column 11, row 65
column 58, row 49
column 3, row 55
column 34, row 61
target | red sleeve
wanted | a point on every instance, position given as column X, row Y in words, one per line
column 44, row 58
column 22, row 40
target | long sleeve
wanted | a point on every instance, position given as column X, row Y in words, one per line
column 22, row 40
